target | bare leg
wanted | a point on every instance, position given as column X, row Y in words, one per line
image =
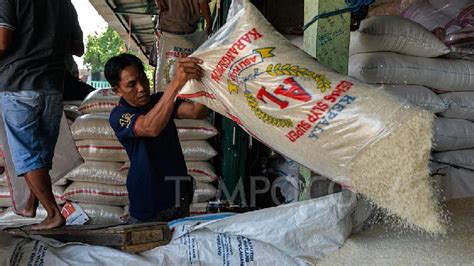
column 31, row 206
column 40, row 183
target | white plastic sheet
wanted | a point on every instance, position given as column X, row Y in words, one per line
column 292, row 234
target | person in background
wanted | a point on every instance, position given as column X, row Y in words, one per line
column 35, row 38
column 159, row 188
column 182, row 17
column 74, row 88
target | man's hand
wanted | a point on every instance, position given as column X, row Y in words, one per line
column 162, row 5
column 187, row 68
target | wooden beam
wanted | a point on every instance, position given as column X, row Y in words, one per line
column 328, row 38
column 130, row 238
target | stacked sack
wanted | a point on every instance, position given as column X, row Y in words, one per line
column 102, row 178
column 193, row 136
column 407, row 58
column 98, row 185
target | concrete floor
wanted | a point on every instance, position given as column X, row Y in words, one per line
column 385, row 245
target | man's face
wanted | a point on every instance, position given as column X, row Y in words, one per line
column 134, row 87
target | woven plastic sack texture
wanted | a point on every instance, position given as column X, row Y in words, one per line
column 395, row 34
column 3, row 180
column 419, row 96
column 393, row 68
column 192, row 129
column 99, row 172
column 337, row 126
column 84, row 192
column 5, row 197
column 93, row 126
column 197, row 150
column 204, row 192
column 99, row 101
column 101, row 150
column 460, row 105
column 201, row 171
column 453, row 134
column 457, row 158
column 102, row 214
column 58, row 192
column 171, row 48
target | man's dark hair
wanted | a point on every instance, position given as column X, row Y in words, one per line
column 116, row 64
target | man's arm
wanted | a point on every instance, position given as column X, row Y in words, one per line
column 161, row 5
column 77, row 46
column 6, row 37
column 188, row 110
column 206, row 13
column 151, row 124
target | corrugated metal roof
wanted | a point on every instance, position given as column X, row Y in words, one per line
column 132, row 19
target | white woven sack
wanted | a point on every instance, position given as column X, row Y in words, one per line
column 204, row 192
column 419, row 96
column 99, row 172
column 395, row 34
column 198, row 208
column 462, row 158
column 197, row 150
column 99, row 101
column 93, row 126
column 5, row 197
column 201, row 171
column 453, row 134
column 455, row 183
column 58, row 192
column 460, row 105
column 450, row 8
column 3, row 180
column 84, row 192
column 102, row 150
column 171, row 48
column 193, row 129
column 393, row 68
column 61, row 182
column 103, row 214
column 330, row 123
column 422, row 12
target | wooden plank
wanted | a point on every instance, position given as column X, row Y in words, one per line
column 137, row 237
column 328, row 38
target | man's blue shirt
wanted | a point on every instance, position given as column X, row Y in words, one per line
column 152, row 160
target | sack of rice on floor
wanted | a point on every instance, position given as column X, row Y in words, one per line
column 354, row 133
